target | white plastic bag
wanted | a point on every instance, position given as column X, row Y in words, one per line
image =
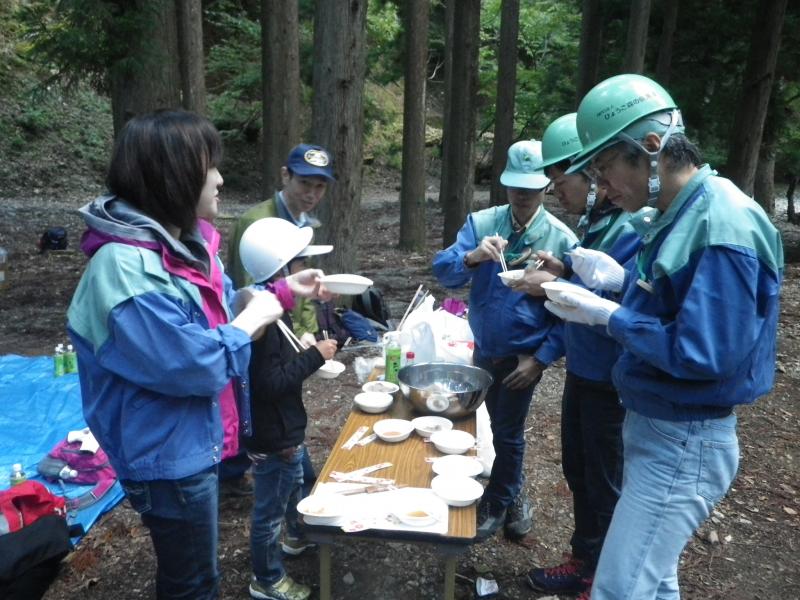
column 483, row 431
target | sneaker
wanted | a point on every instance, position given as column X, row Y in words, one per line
column 568, row 577
column 295, row 546
column 586, row 594
column 489, row 520
column 236, row 488
column 519, row 518
column 285, row 588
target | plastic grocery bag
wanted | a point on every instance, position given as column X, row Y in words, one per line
column 483, row 431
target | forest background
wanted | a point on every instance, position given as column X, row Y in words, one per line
column 418, row 101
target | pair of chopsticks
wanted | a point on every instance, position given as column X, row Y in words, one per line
column 415, row 303
column 294, row 341
column 503, row 264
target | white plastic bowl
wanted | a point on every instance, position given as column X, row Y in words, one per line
column 386, row 387
column 509, row 276
column 454, row 441
column 455, row 490
column 322, row 509
column 373, row 402
column 427, row 426
column 393, row 430
column 348, row 285
column 555, row 289
column 418, row 510
column 457, row 465
column 330, row 370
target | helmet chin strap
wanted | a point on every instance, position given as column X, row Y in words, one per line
column 653, row 181
column 591, row 198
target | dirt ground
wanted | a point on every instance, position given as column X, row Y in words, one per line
column 749, row 549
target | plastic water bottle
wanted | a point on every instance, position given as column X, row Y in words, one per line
column 393, row 356
column 410, row 358
column 17, row 475
column 58, row 361
column 70, row 360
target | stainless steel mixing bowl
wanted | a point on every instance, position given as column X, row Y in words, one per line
column 446, row 389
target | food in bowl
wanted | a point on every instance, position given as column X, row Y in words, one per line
column 385, row 387
column 373, row 402
column 453, row 441
column 393, row 430
column 427, row 426
column 330, row 370
column 322, row 509
column 508, row 277
column 457, row 490
column 457, row 464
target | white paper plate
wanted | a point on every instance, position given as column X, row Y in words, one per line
column 457, row 491
column 554, row 290
column 346, row 284
column 457, row 465
column 509, row 276
column 322, row 509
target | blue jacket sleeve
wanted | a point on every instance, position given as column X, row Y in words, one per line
column 719, row 320
column 155, row 342
column 553, row 347
column 448, row 264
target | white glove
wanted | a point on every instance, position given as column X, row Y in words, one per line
column 597, row 269
column 582, row 306
column 262, row 309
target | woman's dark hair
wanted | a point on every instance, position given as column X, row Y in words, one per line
column 160, row 164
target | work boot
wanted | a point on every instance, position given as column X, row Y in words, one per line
column 519, row 518
column 285, row 588
column 568, row 578
column 490, row 519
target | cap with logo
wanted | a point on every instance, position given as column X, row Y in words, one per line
column 308, row 160
column 524, row 167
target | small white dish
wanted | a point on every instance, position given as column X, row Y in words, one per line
column 417, row 511
column 455, row 490
column 385, row 387
column 393, row 430
column 330, row 370
column 427, row 426
column 373, row 402
column 510, row 276
column 454, row 441
column 346, row 284
column 322, row 509
column 457, row 465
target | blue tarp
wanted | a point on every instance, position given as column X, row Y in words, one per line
column 37, row 410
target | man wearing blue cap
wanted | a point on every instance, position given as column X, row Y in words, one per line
column 512, row 329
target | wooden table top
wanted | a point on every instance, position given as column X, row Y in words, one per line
column 408, row 464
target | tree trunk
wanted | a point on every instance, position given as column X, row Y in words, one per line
column 449, row 15
column 748, row 123
column 764, row 181
column 460, row 130
column 790, row 213
column 506, row 92
column 670, row 22
column 590, row 48
column 192, row 61
column 412, row 187
column 338, row 121
column 636, row 45
column 280, row 89
column 149, row 79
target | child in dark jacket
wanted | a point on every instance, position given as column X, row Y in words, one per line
column 277, row 372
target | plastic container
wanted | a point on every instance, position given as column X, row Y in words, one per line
column 393, row 358
column 70, row 360
column 58, row 361
column 17, row 475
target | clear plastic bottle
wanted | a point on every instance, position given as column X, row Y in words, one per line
column 410, row 358
column 17, row 475
column 58, row 361
column 70, row 360
column 393, row 357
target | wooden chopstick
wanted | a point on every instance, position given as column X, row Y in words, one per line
column 503, row 264
column 408, row 310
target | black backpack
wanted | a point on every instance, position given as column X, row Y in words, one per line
column 53, row 238
column 372, row 305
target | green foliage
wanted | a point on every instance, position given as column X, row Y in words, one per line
column 384, row 51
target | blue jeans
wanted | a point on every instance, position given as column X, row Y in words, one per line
column 278, row 482
column 236, row 466
column 508, row 410
column 182, row 516
column 591, row 457
column 675, row 472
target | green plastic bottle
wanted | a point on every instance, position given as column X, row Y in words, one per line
column 17, row 475
column 393, row 358
column 70, row 360
column 58, row 361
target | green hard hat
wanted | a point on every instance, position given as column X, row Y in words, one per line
column 560, row 140
column 611, row 106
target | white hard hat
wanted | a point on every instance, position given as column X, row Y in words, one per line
column 269, row 244
column 315, row 250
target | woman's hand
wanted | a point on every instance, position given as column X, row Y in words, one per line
column 327, row 348
column 306, row 283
